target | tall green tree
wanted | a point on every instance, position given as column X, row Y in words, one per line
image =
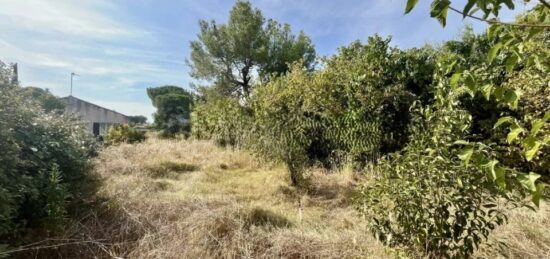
column 138, row 119
column 173, row 108
column 229, row 55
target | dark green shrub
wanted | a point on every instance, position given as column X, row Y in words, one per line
column 352, row 110
column 32, row 141
column 124, row 133
column 424, row 199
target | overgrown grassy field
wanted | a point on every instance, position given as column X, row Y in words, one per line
column 192, row 199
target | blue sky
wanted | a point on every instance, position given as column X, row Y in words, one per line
column 122, row 47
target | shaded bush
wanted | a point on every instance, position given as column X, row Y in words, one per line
column 124, row 133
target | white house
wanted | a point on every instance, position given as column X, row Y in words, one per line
column 99, row 118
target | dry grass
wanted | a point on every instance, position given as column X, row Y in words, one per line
column 191, row 199
column 527, row 235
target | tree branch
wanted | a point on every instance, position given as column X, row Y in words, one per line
column 547, row 5
column 499, row 22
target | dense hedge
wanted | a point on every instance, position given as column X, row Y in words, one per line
column 44, row 162
column 351, row 111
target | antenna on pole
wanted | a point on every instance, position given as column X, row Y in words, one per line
column 72, row 75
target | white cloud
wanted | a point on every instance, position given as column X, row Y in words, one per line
column 98, row 39
column 78, row 18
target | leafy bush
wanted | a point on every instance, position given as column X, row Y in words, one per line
column 352, row 110
column 124, row 133
column 447, row 189
column 44, row 163
column 221, row 119
column 425, row 199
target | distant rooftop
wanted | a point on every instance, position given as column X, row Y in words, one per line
column 92, row 104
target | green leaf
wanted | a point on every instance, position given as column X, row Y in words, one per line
column 531, row 147
column 536, row 126
column 470, row 82
column 465, row 154
column 454, row 79
column 514, row 133
column 410, row 5
column 511, row 97
column 490, row 169
column 487, row 90
column 461, row 142
column 509, row 4
column 500, row 177
column 546, row 116
column 439, row 10
column 503, row 120
column 537, row 194
column 493, row 52
column 528, row 181
column 511, row 62
column 530, row 61
column 468, row 7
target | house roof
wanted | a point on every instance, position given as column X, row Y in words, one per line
column 93, row 104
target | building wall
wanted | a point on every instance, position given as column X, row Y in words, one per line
column 95, row 114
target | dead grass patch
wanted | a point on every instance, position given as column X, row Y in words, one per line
column 169, row 169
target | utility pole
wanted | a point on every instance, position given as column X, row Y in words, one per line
column 72, row 75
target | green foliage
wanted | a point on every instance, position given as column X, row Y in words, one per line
column 173, row 108
column 336, row 115
column 138, row 120
column 221, row 119
column 56, row 199
column 425, row 199
column 47, row 101
column 123, row 133
column 440, row 194
column 452, row 184
column 228, row 54
column 350, row 111
column 32, row 141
